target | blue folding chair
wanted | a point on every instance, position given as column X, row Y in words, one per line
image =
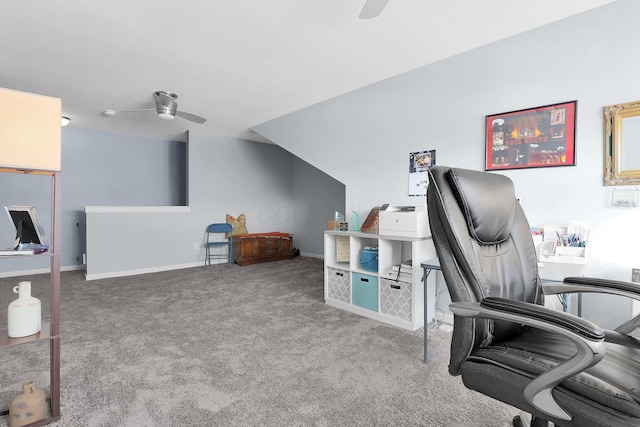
column 212, row 242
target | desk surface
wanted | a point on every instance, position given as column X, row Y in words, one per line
column 433, row 264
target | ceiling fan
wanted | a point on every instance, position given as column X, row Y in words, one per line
column 166, row 108
column 372, row 8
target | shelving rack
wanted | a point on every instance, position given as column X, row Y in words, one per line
column 50, row 331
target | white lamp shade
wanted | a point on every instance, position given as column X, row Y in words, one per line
column 30, row 131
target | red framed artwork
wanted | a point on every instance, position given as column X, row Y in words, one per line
column 532, row 138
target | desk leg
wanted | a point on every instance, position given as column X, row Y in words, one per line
column 580, row 304
column 425, row 275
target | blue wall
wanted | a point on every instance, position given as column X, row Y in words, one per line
column 98, row 169
column 276, row 190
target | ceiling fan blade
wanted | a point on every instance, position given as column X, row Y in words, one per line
column 372, row 8
column 191, row 117
column 129, row 111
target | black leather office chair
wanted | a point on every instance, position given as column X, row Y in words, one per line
column 506, row 344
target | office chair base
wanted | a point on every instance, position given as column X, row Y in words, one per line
column 522, row 420
column 525, row 420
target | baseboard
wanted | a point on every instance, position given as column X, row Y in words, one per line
column 38, row 271
column 307, row 254
column 157, row 269
column 121, row 273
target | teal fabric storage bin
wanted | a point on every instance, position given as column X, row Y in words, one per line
column 364, row 291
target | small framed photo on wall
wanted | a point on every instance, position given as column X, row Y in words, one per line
column 531, row 138
column 419, row 164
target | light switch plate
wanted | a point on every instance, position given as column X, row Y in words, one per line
column 635, row 275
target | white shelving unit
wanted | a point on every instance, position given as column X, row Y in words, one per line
column 396, row 302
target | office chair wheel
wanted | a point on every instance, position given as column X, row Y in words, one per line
column 518, row 421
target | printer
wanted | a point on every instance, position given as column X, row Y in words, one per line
column 405, row 221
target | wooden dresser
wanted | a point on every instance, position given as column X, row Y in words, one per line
column 262, row 247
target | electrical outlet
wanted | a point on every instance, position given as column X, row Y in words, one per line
column 635, row 275
column 196, row 246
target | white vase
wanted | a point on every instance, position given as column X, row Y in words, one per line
column 24, row 313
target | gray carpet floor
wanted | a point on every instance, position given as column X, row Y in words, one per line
column 247, row 346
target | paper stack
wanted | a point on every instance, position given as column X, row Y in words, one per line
column 401, row 272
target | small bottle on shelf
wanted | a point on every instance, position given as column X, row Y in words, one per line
column 24, row 313
column 28, row 407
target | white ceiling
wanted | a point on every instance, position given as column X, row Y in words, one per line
column 238, row 63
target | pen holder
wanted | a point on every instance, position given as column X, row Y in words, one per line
column 570, row 251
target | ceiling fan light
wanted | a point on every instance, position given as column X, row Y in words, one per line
column 166, row 116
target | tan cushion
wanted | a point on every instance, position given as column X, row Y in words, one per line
column 239, row 224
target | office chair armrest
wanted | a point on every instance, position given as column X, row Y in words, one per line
column 587, row 337
column 603, row 286
column 592, row 284
column 579, row 325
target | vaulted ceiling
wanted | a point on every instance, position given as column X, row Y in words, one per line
column 237, row 63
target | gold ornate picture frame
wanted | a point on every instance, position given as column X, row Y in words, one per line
column 621, row 164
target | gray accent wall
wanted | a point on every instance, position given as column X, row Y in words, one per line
column 140, row 187
column 226, row 176
column 274, row 189
column 98, row 168
column 363, row 138
column 316, row 198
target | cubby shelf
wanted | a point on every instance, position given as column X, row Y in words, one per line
column 397, row 301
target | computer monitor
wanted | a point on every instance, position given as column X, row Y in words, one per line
column 29, row 231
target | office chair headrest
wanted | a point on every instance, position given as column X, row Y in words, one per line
column 487, row 201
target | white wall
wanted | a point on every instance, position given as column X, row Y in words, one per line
column 363, row 138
